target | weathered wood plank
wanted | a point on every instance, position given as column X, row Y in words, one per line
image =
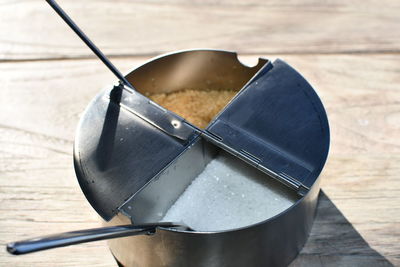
column 40, row 195
column 358, row 221
column 334, row 241
column 29, row 29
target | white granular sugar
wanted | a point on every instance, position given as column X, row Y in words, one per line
column 229, row 194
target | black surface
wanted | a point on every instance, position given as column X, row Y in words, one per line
column 280, row 121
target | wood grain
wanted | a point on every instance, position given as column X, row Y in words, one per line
column 29, row 29
column 358, row 221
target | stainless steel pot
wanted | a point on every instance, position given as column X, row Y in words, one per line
column 133, row 158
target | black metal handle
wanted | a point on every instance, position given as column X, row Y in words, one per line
column 82, row 236
column 88, row 42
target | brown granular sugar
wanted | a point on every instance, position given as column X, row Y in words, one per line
column 197, row 107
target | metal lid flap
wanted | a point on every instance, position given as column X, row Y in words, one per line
column 121, row 144
column 278, row 124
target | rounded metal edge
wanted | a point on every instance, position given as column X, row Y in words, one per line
column 233, row 53
column 316, row 100
column 78, row 167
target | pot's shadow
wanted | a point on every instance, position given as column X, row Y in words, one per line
column 333, row 241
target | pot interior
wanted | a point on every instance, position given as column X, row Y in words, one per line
column 194, row 84
column 209, row 189
column 205, row 187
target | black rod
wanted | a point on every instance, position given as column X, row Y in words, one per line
column 89, row 43
column 88, row 235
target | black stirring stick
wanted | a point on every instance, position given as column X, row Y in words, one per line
column 89, row 43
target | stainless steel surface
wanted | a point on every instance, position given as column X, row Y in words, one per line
column 276, row 123
column 156, row 115
column 273, row 242
column 193, row 69
column 117, row 151
column 151, row 203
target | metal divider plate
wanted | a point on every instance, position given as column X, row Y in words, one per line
column 278, row 124
column 122, row 142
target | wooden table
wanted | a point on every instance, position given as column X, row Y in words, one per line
column 349, row 50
